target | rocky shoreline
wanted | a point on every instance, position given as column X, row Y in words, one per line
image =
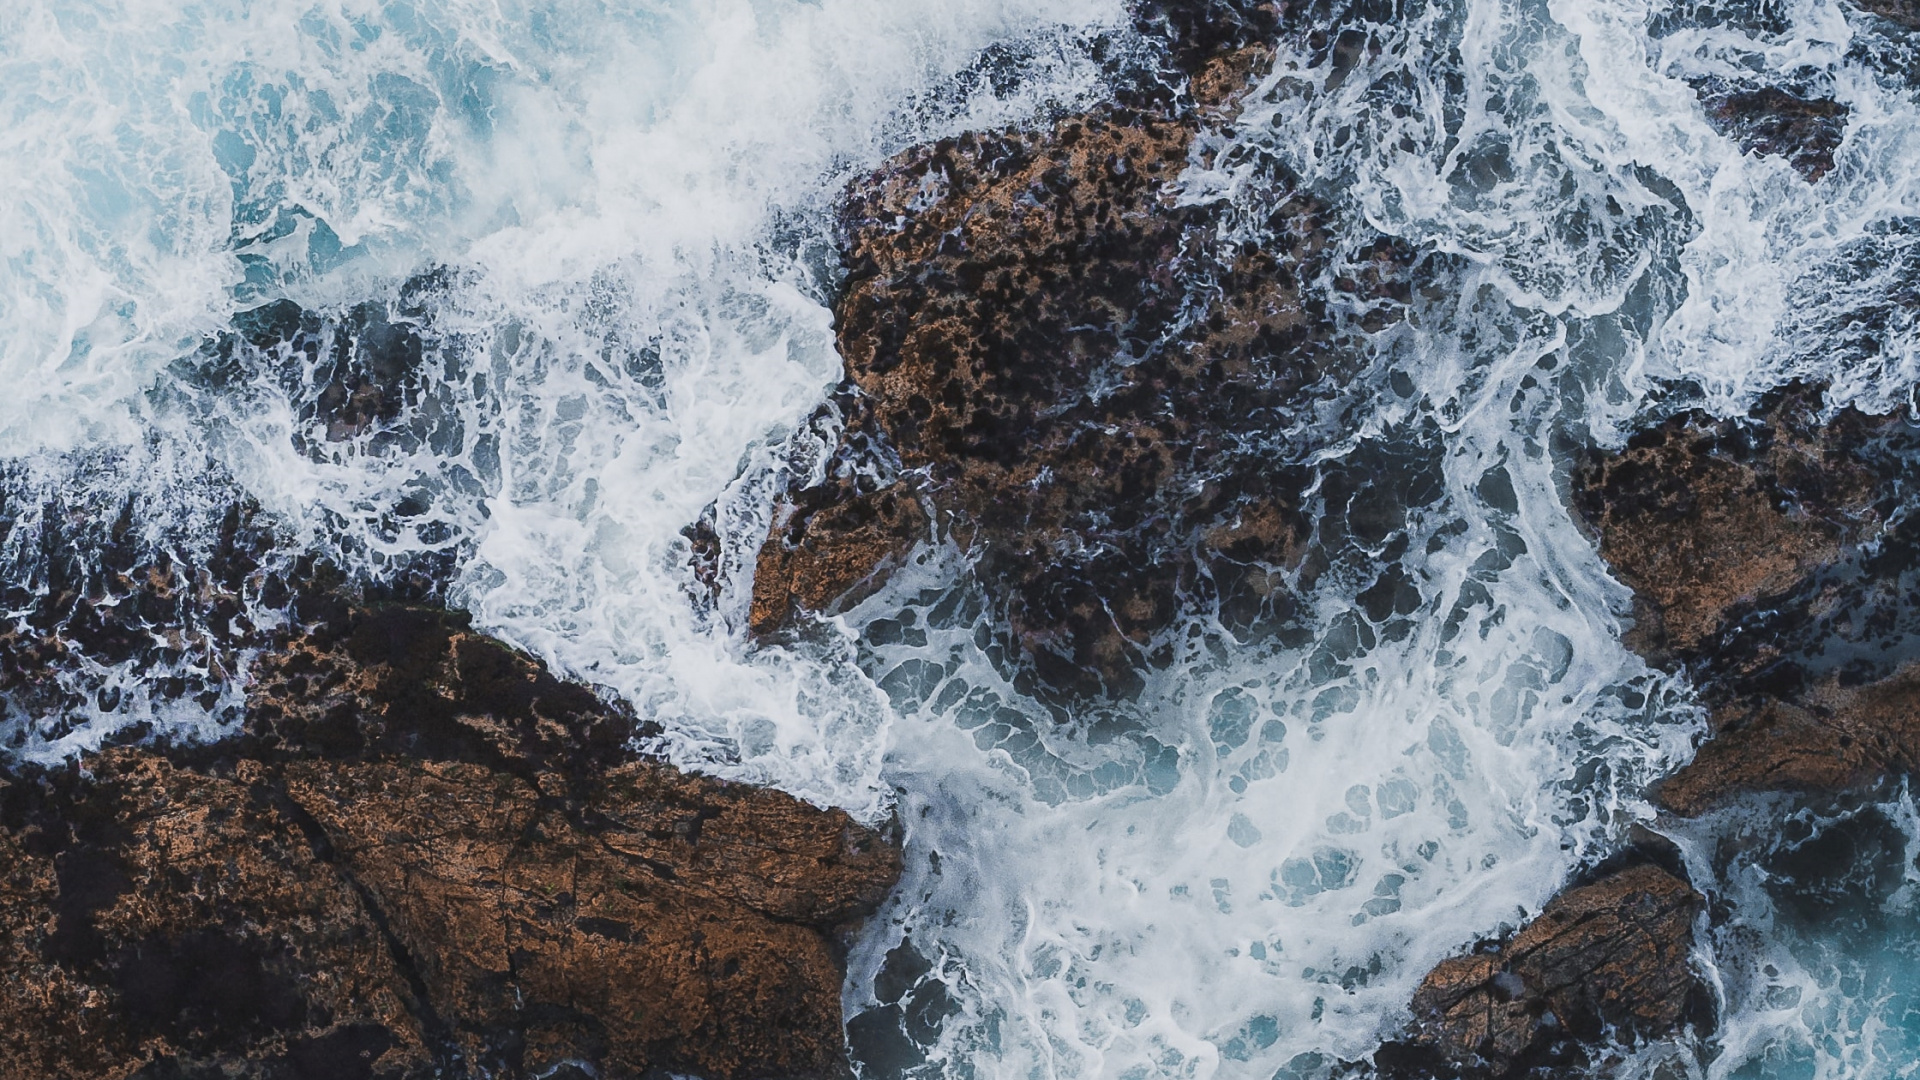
column 417, row 853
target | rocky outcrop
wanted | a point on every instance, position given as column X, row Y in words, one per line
column 1055, row 366
column 421, row 855
column 1802, row 128
column 1904, row 12
column 1769, row 557
column 157, row 922
column 1751, row 546
column 1706, row 519
column 1828, row 737
column 1606, row 960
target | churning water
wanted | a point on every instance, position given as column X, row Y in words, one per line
column 609, row 226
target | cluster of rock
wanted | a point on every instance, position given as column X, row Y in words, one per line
column 1803, row 128
column 1770, row 559
column 420, row 854
column 1769, row 556
column 1056, row 368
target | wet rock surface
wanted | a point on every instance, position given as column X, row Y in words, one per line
column 1071, row 377
column 420, row 854
column 1803, row 128
column 1904, row 12
column 1607, row 960
column 1706, row 520
column 1769, row 556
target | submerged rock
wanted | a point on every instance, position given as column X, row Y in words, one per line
column 1073, row 378
column 1196, row 32
column 421, row 855
column 1768, row 120
column 1608, row 960
column 1904, row 12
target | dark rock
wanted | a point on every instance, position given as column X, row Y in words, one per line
column 1904, row 12
column 1769, row 120
column 1768, row 556
column 1197, row 31
column 1075, row 380
column 421, row 855
column 1606, row 960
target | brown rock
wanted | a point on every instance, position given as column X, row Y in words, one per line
column 426, row 856
column 1074, row 375
column 1768, row 120
column 1746, row 543
column 1219, row 87
column 826, row 543
column 1904, row 12
column 621, row 946
column 154, row 915
column 1832, row 739
column 1701, row 517
column 1609, row 959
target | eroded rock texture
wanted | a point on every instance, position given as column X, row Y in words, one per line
column 1771, row 556
column 425, row 856
column 1609, row 959
column 1070, row 376
column 1706, row 519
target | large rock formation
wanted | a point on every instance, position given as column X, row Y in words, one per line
column 420, row 855
column 1606, row 960
column 1769, row 556
column 1052, row 364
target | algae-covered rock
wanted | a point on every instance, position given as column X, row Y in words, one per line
column 1075, row 379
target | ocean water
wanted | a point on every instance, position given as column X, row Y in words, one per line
column 601, row 235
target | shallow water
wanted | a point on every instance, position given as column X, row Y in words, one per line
column 599, row 238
